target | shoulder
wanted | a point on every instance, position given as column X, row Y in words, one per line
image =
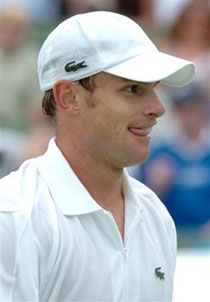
column 26, row 207
column 17, row 187
column 29, row 234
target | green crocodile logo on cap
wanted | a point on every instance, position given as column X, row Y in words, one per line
column 71, row 66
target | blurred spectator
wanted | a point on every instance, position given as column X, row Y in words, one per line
column 35, row 142
column 9, row 146
column 156, row 16
column 40, row 12
column 20, row 94
column 178, row 169
column 167, row 11
column 19, row 80
column 189, row 37
column 131, row 8
column 142, row 11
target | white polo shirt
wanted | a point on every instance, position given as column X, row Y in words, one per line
column 58, row 244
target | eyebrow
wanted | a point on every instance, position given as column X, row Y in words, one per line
column 130, row 82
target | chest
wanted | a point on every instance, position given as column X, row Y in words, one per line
column 92, row 263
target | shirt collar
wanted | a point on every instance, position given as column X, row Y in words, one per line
column 131, row 192
column 67, row 191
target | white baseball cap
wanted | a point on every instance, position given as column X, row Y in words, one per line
column 89, row 43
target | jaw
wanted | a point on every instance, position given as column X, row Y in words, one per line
column 133, row 151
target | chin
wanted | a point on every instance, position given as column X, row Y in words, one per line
column 143, row 155
column 137, row 160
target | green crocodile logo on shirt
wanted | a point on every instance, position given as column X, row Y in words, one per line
column 159, row 274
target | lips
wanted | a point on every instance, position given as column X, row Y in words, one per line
column 143, row 131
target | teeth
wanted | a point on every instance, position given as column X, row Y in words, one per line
column 147, row 129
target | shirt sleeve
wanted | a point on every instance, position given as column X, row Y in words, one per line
column 19, row 263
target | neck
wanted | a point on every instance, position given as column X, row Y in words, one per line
column 102, row 181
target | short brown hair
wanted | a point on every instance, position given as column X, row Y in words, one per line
column 49, row 104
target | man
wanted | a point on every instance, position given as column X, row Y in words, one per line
column 16, row 98
column 75, row 226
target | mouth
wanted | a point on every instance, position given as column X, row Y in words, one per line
column 141, row 132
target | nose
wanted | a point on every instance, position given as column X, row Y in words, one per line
column 154, row 106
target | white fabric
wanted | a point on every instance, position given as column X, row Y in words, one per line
column 105, row 41
column 58, row 244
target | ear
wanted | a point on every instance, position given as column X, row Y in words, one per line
column 64, row 93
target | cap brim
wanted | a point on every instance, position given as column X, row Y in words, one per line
column 156, row 67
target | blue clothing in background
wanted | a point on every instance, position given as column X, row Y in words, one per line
column 188, row 196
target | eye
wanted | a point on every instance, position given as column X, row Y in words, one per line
column 134, row 89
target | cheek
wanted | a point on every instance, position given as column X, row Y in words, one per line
column 106, row 133
column 110, row 118
column 108, row 127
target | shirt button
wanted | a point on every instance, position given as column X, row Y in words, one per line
column 126, row 253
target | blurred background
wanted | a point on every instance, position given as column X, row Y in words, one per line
column 178, row 169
